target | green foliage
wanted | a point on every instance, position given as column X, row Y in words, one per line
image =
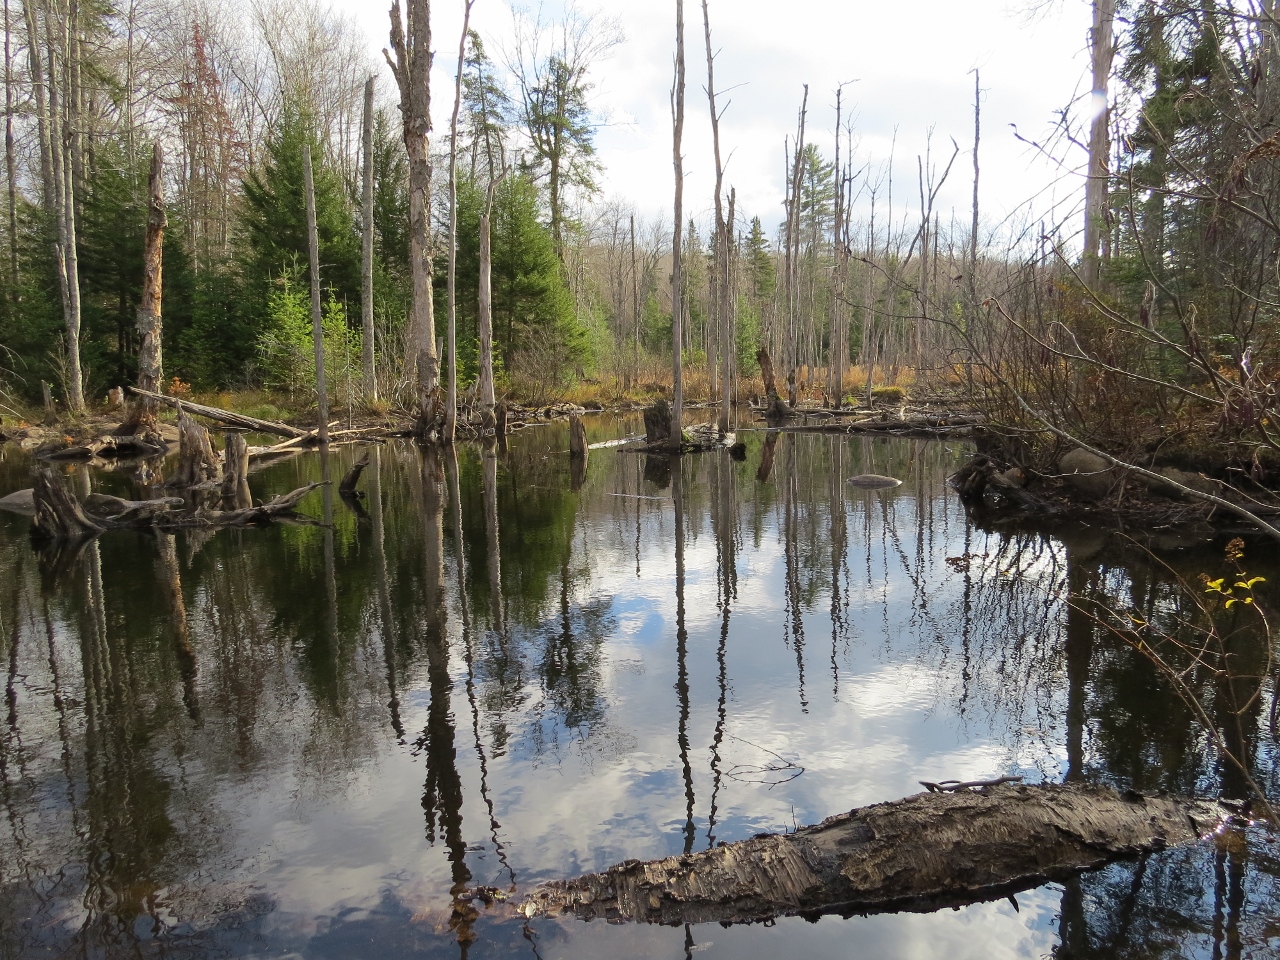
column 286, row 351
column 534, row 321
column 274, row 219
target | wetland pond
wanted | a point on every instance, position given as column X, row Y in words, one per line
column 318, row 741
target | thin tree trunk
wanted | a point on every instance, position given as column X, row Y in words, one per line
column 411, row 43
column 721, row 280
column 11, row 176
column 635, row 305
column 317, row 328
column 677, row 233
column 1102, row 48
column 485, row 314
column 150, row 320
column 451, row 409
column 366, row 260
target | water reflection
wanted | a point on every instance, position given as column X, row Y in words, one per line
column 355, row 738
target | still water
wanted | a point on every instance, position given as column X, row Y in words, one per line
column 315, row 741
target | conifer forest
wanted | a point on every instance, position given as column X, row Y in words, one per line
column 485, row 479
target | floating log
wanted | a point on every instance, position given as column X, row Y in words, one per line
column 929, row 850
column 873, row 481
column 105, row 508
column 223, row 416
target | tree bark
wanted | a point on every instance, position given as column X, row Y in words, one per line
column 58, row 515
column 677, row 233
column 451, row 408
column 142, row 418
column 11, row 174
column 411, row 42
column 197, row 463
column 317, row 328
column 1102, row 50
column 923, row 852
column 235, row 471
column 485, row 316
column 366, row 252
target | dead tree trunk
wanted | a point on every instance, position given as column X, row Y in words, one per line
column 657, row 424
column 677, row 271
column 926, row 851
column 451, row 406
column 484, row 315
column 1096, row 185
column 317, row 328
column 775, row 407
column 142, row 416
column 366, row 253
column 721, row 266
column 411, row 44
column 58, row 515
column 577, row 438
column 197, row 463
column 235, row 471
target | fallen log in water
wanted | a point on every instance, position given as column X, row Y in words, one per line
column 224, row 416
column 929, row 850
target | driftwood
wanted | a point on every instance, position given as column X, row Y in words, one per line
column 981, row 475
column 926, row 851
column 223, row 416
column 106, row 508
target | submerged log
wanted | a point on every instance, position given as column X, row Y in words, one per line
column 922, row 852
column 223, row 416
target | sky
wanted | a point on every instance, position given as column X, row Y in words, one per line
column 908, row 68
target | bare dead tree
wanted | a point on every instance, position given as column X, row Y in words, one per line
column 677, row 300
column 317, row 329
column 366, row 252
column 451, row 408
column 150, row 322
column 1102, row 52
column 721, row 280
column 411, row 42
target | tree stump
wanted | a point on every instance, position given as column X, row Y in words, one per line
column 197, row 463
column 657, row 423
column 58, row 515
column 235, row 471
column 500, row 419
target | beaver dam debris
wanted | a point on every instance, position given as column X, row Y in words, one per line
column 925, row 851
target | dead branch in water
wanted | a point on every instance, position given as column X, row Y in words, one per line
column 922, row 852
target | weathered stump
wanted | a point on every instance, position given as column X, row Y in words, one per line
column 775, row 407
column 500, row 419
column 235, row 471
column 58, row 516
column 197, row 463
column 657, row 423
column 929, row 850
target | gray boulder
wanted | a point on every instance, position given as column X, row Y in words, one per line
column 1089, row 475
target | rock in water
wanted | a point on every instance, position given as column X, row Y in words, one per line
column 873, row 481
column 20, row 501
column 1090, row 475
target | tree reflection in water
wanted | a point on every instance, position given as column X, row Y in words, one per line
column 203, row 748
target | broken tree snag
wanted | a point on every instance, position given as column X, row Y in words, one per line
column 142, row 415
column 223, row 416
column 500, row 419
column 347, row 488
column 577, row 438
column 197, row 463
column 235, row 470
column 923, row 852
column 657, row 423
column 775, row 408
column 58, row 516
